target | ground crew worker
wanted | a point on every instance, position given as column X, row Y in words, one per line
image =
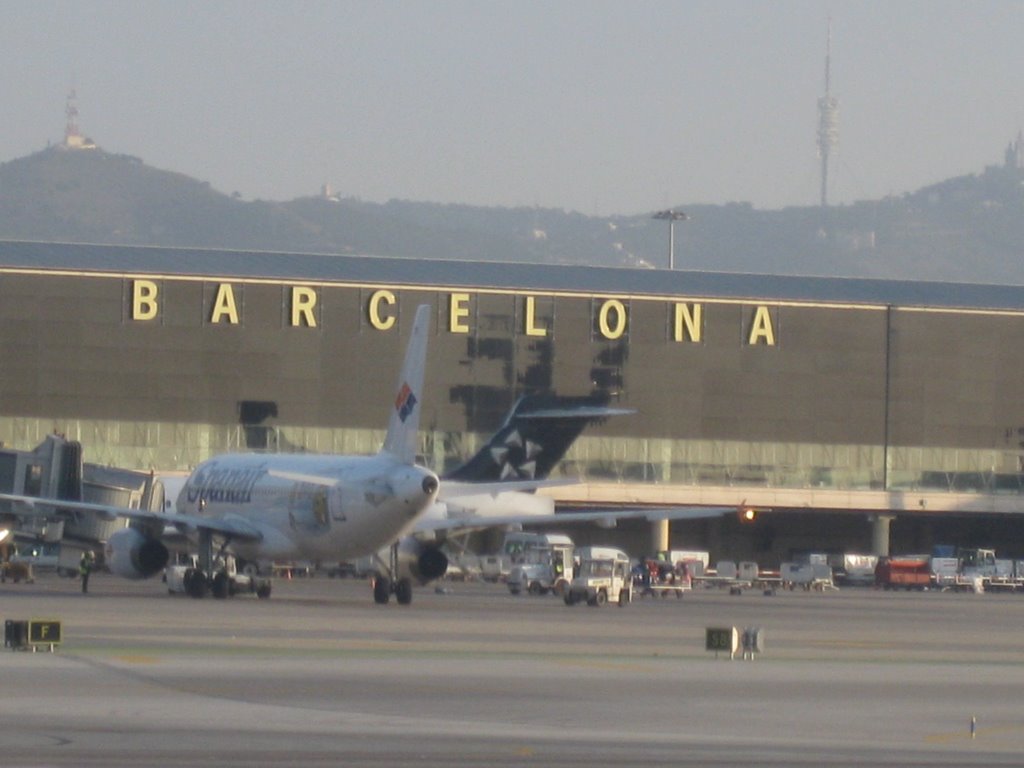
column 84, row 569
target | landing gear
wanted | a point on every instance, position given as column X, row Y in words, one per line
column 385, row 585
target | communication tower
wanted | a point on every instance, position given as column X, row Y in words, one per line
column 1015, row 153
column 72, row 138
column 828, row 120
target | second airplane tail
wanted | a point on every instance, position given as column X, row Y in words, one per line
column 535, row 436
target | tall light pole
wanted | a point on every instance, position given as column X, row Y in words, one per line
column 672, row 217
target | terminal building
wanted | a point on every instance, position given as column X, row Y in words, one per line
column 852, row 413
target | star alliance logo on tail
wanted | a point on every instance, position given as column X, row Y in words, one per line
column 405, row 402
column 516, row 456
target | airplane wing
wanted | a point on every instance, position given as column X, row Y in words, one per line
column 606, row 518
column 450, row 489
column 234, row 527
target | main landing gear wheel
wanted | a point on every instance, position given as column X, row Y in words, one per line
column 196, row 583
column 221, row 587
column 381, row 590
column 403, row 591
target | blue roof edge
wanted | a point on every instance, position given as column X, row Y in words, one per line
column 224, row 263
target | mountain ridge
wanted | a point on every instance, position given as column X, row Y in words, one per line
column 968, row 228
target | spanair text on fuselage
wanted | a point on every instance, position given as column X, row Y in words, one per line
column 372, row 501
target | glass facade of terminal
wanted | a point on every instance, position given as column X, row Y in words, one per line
column 158, row 371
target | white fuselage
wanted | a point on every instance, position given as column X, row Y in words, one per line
column 310, row 506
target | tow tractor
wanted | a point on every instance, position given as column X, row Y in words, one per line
column 603, row 575
column 186, row 577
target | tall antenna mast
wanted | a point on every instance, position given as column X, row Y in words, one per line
column 71, row 135
column 828, row 120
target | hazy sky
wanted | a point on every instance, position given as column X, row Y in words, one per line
column 594, row 106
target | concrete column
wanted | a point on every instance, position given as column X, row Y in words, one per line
column 659, row 536
column 880, row 534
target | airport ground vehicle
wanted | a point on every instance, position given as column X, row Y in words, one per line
column 656, row 576
column 494, row 567
column 974, row 563
column 16, row 572
column 603, row 575
column 977, row 570
column 229, row 581
column 851, row 569
column 696, row 561
column 544, row 564
column 809, row 576
column 909, row 572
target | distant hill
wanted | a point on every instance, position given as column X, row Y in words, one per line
column 965, row 229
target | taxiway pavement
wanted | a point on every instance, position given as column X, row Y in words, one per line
column 319, row 675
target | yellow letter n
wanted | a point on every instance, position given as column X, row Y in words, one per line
column 689, row 321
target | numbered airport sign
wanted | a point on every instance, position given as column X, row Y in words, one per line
column 722, row 640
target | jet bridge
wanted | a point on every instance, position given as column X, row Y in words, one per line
column 55, row 469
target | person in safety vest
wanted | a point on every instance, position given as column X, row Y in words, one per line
column 85, row 568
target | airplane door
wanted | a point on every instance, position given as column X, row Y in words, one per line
column 336, row 505
column 308, row 510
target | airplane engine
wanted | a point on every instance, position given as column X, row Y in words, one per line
column 424, row 561
column 131, row 555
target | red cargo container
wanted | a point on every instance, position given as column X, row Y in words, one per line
column 903, row 573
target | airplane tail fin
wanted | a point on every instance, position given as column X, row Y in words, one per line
column 403, row 427
column 535, row 436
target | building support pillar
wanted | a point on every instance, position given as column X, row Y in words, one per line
column 659, row 536
column 880, row 525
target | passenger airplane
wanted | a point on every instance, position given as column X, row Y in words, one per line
column 262, row 507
